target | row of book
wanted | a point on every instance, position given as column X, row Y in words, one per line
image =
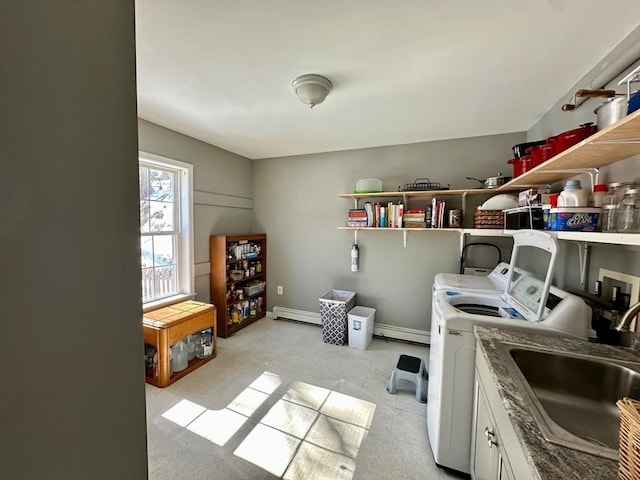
column 393, row 215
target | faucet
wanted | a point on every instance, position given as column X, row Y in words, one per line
column 625, row 321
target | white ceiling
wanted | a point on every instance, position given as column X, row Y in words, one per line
column 403, row 71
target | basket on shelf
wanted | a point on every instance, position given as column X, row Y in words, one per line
column 421, row 184
column 629, row 448
column 488, row 219
column 236, row 275
column 254, row 288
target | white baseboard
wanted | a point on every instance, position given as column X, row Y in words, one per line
column 379, row 329
column 299, row 315
column 402, row 333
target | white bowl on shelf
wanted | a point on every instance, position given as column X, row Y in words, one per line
column 500, row 202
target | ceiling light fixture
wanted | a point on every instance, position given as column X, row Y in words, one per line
column 311, row 89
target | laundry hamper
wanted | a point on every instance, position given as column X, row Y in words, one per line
column 334, row 307
column 629, row 448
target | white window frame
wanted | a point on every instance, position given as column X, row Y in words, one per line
column 185, row 247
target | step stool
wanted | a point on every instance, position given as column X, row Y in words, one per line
column 411, row 369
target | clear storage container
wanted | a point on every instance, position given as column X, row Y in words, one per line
column 628, row 212
column 608, row 219
column 180, row 358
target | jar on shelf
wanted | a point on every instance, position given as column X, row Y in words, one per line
column 615, row 192
column 610, row 201
column 608, row 218
column 628, row 212
column 258, row 267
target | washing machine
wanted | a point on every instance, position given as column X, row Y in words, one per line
column 496, row 281
column 528, row 303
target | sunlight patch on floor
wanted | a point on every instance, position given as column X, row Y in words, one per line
column 269, row 449
column 313, row 463
column 248, row 402
column 349, row 409
column 309, row 433
column 267, row 382
column 217, row 426
column 184, row 412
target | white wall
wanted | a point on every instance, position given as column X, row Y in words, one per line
column 296, row 203
column 72, row 388
column 222, row 190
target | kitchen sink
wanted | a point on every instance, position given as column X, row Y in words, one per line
column 573, row 396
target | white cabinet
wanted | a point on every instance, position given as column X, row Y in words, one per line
column 488, row 460
column 485, row 454
column 495, row 451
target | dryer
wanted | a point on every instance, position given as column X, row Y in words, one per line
column 528, row 303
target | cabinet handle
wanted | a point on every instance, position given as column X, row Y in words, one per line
column 490, row 434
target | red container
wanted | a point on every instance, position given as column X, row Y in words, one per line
column 521, row 165
column 569, row 138
column 542, row 153
column 517, row 166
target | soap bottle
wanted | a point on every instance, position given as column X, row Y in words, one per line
column 572, row 195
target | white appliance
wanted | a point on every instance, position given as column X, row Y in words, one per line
column 530, row 303
column 496, row 281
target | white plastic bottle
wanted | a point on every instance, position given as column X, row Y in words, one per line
column 354, row 258
column 597, row 197
column 572, row 195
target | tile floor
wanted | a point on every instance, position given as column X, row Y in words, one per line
column 278, row 402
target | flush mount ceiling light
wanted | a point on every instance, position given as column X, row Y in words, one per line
column 311, row 89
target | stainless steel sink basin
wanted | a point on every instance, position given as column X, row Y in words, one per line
column 574, row 396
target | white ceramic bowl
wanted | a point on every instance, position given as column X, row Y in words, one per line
column 500, row 202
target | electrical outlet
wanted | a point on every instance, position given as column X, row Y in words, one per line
column 280, row 290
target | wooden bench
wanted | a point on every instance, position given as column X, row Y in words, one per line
column 165, row 326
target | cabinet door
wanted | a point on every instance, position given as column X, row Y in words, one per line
column 505, row 470
column 485, row 457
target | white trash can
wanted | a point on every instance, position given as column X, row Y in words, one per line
column 361, row 327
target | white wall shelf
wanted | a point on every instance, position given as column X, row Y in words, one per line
column 614, row 143
column 420, row 193
column 632, row 239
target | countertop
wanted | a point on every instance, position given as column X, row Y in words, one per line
column 547, row 460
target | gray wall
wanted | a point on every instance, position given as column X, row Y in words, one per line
column 72, row 392
column 222, row 190
column 612, row 257
column 296, row 203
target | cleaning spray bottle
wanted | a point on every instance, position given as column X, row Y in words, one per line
column 354, row 257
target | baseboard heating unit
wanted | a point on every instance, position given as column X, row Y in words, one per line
column 379, row 329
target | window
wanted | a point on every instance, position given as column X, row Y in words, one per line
column 166, row 240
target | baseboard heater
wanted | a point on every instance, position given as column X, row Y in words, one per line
column 379, row 329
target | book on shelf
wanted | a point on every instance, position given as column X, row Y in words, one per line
column 357, row 217
column 437, row 213
column 413, row 216
column 380, row 215
column 357, row 212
